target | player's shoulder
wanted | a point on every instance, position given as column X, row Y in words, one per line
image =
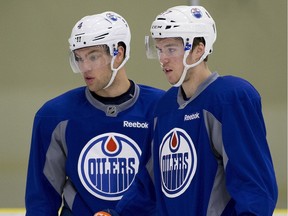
column 170, row 94
column 168, row 101
column 230, row 86
column 60, row 104
column 234, row 82
column 150, row 91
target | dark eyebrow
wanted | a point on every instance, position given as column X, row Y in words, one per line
column 90, row 52
column 93, row 51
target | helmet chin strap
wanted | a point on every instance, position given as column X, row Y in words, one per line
column 187, row 67
column 114, row 71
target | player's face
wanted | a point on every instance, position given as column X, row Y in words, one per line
column 170, row 53
column 94, row 64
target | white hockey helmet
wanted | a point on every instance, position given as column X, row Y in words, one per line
column 186, row 22
column 107, row 28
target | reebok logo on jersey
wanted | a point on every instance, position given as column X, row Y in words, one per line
column 107, row 165
column 135, row 124
column 178, row 162
column 191, row 117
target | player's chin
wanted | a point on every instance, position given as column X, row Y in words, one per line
column 171, row 80
column 92, row 88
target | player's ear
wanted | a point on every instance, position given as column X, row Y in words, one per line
column 200, row 49
column 120, row 55
column 190, row 57
column 196, row 53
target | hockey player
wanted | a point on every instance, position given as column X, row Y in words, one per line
column 210, row 153
column 87, row 143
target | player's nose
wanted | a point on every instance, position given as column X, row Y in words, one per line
column 163, row 58
column 86, row 67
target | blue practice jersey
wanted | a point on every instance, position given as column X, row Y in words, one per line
column 86, row 151
column 210, row 153
column 212, row 157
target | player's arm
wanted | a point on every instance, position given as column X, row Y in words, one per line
column 250, row 176
column 43, row 198
column 140, row 198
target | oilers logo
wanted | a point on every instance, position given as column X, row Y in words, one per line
column 111, row 16
column 196, row 13
column 107, row 165
column 178, row 162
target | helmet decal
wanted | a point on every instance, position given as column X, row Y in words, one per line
column 80, row 25
column 111, row 16
column 196, row 13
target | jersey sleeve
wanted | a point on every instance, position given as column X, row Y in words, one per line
column 250, row 176
column 43, row 193
column 140, row 198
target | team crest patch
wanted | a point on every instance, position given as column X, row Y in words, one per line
column 196, row 13
column 107, row 165
column 178, row 162
column 111, row 16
